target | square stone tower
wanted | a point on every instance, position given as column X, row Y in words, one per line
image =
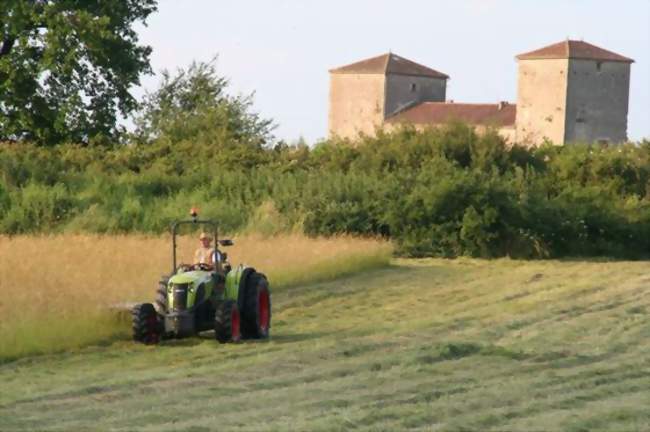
column 363, row 94
column 572, row 91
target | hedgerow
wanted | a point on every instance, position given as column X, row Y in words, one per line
column 442, row 192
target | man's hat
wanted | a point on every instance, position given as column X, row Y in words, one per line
column 204, row 235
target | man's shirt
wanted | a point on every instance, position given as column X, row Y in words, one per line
column 204, row 256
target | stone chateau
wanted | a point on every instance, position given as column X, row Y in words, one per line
column 570, row 91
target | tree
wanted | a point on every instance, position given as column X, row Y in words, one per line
column 66, row 67
column 194, row 105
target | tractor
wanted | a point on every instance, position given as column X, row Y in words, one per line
column 234, row 302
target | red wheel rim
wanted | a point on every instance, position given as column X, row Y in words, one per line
column 234, row 325
column 263, row 309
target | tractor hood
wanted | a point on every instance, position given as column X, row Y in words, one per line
column 191, row 277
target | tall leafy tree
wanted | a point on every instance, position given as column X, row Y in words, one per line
column 66, row 67
column 194, row 105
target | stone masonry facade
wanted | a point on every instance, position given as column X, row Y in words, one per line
column 567, row 92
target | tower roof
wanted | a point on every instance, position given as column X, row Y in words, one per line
column 389, row 63
column 573, row 49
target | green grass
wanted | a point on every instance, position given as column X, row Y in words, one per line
column 459, row 345
column 56, row 332
column 332, row 267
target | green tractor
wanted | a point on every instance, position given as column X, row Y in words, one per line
column 235, row 303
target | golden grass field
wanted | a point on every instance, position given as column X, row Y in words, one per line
column 55, row 290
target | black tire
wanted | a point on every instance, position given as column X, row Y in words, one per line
column 160, row 304
column 245, row 276
column 146, row 325
column 256, row 313
column 227, row 322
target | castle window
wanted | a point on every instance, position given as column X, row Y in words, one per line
column 414, row 87
column 599, row 66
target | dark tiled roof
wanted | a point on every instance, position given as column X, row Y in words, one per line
column 431, row 113
column 389, row 64
column 572, row 49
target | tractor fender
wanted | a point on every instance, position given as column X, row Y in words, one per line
column 235, row 283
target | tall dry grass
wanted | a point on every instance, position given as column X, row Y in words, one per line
column 55, row 290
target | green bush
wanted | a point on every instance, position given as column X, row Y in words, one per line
column 38, row 208
column 443, row 192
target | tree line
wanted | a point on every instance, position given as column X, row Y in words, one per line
column 442, row 192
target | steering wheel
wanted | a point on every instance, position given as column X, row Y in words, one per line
column 182, row 268
column 203, row 266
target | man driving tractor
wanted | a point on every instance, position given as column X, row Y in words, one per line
column 206, row 253
column 205, row 295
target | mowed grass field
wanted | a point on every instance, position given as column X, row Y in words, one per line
column 461, row 345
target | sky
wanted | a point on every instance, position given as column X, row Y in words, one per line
column 282, row 50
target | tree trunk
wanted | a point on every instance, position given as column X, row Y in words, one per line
column 7, row 45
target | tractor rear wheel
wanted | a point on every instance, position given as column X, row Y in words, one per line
column 227, row 322
column 256, row 313
column 146, row 326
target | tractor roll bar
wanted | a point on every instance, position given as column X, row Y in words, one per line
column 194, row 221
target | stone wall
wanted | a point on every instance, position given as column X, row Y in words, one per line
column 508, row 133
column 597, row 101
column 404, row 90
column 356, row 104
column 541, row 100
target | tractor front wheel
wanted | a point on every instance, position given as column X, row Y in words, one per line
column 146, row 326
column 227, row 322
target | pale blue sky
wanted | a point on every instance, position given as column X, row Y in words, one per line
column 283, row 49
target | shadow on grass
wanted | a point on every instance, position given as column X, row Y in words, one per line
column 36, row 355
column 289, row 338
column 276, row 338
column 599, row 260
column 390, row 270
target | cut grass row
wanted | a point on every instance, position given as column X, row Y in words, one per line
column 421, row 345
column 56, row 291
